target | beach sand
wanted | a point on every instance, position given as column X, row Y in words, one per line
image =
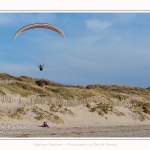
column 77, row 122
column 80, row 132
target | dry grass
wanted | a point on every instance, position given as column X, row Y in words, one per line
column 61, row 109
column 88, row 105
column 70, row 93
column 13, row 114
column 120, row 92
column 2, row 92
column 100, row 108
column 103, row 109
column 1, row 113
column 25, row 89
column 26, row 79
column 53, row 108
column 27, row 86
column 118, row 113
column 67, row 111
column 39, row 113
column 141, row 108
column 44, row 114
column 21, row 110
column 5, row 76
column 16, row 113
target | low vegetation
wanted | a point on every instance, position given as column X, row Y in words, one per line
column 44, row 114
column 103, row 109
column 16, row 113
column 27, row 86
column 118, row 113
column 61, row 109
column 141, row 108
column 100, row 108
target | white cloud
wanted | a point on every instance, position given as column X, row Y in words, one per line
column 90, row 40
column 97, row 25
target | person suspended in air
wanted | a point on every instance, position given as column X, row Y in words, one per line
column 41, row 67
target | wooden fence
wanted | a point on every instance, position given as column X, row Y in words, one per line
column 68, row 103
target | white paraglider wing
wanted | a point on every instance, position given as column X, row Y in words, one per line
column 39, row 25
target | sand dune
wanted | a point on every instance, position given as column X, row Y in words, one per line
column 24, row 121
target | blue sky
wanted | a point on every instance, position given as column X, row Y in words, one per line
column 99, row 48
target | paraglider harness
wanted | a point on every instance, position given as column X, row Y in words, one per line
column 41, row 67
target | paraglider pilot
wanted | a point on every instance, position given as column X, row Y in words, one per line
column 41, row 67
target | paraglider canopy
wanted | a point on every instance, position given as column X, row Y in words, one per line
column 39, row 25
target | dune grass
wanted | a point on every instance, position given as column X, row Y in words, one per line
column 61, row 109
column 16, row 113
column 141, row 108
column 103, row 109
column 118, row 113
column 21, row 110
column 100, row 108
column 25, row 89
column 13, row 114
column 2, row 92
column 44, row 114
column 27, row 86
column 5, row 76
